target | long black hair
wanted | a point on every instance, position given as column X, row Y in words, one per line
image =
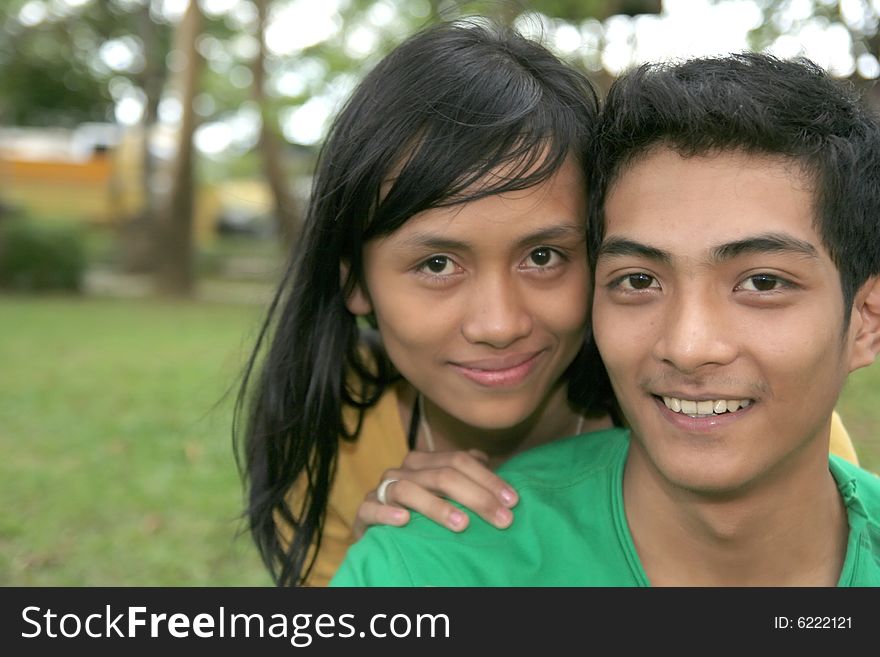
column 422, row 130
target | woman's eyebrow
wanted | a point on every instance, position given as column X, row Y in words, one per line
column 425, row 240
column 553, row 233
column 429, row 240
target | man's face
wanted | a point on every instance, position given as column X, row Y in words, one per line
column 719, row 315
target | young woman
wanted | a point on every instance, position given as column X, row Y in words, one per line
column 434, row 314
column 447, row 212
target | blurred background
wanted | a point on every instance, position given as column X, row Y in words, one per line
column 155, row 158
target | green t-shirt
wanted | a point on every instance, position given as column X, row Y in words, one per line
column 570, row 529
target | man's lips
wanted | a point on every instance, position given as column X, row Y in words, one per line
column 704, row 404
column 507, row 370
column 700, row 422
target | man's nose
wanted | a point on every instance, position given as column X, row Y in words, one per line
column 695, row 333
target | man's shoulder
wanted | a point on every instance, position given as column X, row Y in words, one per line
column 860, row 490
column 537, row 475
column 558, row 465
column 862, row 483
column 540, row 476
column 553, row 480
column 421, row 553
column 564, row 461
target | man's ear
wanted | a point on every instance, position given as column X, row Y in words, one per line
column 357, row 300
column 866, row 323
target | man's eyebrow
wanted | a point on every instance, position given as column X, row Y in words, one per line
column 619, row 246
column 764, row 243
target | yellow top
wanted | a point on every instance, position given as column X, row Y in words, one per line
column 841, row 443
column 382, row 445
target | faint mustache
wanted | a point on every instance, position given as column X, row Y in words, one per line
column 708, row 382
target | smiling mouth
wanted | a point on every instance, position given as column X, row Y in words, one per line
column 699, row 408
column 508, row 371
column 497, row 364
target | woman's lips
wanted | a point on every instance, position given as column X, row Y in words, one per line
column 499, row 372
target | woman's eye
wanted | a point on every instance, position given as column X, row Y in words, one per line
column 438, row 265
column 638, row 282
column 543, row 256
column 762, row 283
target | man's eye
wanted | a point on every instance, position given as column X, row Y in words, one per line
column 542, row 257
column 438, row 265
column 762, row 283
column 638, row 282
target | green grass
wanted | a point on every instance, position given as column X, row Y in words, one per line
column 116, row 466
column 116, row 463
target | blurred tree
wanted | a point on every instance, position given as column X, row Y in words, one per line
column 64, row 63
column 786, row 23
column 575, row 11
column 271, row 142
column 67, row 61
column 174, row 255
column 138, row 239
column 50, row 68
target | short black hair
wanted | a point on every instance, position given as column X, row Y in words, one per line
column 759, row 104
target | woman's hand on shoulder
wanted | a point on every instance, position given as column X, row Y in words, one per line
column 424, row 482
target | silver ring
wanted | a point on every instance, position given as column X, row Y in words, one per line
column 383, row 487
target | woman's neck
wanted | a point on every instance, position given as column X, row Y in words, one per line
column 553, row 419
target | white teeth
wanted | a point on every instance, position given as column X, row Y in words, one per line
column 673, row 403
column 706, row 406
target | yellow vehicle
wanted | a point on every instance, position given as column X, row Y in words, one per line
column 90, row 175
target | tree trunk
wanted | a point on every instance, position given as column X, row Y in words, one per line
column 271, row 143
column 139, row 233
column 175, row 275
column 153, row 79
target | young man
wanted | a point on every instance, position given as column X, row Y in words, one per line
column 735, row 235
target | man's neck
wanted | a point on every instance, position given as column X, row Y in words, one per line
column 789, row 529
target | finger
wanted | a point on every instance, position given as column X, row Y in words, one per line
column 412, row 495
column 468, row 464
column 479, row 472
column 457, row 486
column 371, row 512
column 479, row 455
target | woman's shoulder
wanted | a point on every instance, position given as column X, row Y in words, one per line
column 378, row 439
column 380, row 422
column 379, row 445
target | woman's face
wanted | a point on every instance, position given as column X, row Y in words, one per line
column 482, row 306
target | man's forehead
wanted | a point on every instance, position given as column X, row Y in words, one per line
column 669, row 154
column 712, row 206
